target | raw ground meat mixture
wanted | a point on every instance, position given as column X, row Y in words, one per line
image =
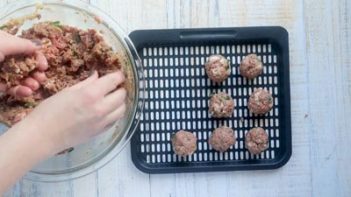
column 251, row 66
column 217, row 68
column 72, row 55
column 184, row 143
column 222, row 139
column 256, row 140
column 260, row 101
column 221, row 105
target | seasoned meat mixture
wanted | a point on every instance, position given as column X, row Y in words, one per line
column 256, row 140
column 222, row 139
column 217, row 68
column 72, row 54
column 251, row 66
column 221, row 105
column 260, row 101
column 184, row 143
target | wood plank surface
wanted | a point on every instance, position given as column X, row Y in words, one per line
column 328, row 44
column 320, row 72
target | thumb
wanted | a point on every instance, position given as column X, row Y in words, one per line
column 11, row 45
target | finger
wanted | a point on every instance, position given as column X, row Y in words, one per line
column 42, row 62
column 40, row 77
column 14, row 45
column 115, row 115
column 20, row 91
column 86, row 82
column 107, row 83
column 31, row 83
column 3, row 87
column 113, row 101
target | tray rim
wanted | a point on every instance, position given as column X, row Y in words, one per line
column 276, row 34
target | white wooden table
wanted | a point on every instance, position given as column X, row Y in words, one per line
column 320, row 49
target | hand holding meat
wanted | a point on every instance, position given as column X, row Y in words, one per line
column 47, row 97
column 12, row 45
column 78, row 113
column 65, row 119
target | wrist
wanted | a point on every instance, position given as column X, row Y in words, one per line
column 30, row 136
column 20, row 150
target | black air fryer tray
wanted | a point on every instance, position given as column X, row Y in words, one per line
column 178, row 89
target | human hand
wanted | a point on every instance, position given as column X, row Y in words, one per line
column 12, row 45
column 77, row 113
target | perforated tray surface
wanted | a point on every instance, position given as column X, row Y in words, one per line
column 178, row 90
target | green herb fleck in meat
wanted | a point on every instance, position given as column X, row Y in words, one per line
column 56, row 24
column 75, row 53
column 29, row 105
column 76, row 38
column 3, row 26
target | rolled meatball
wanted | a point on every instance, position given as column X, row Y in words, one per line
column 222, row 139
column 184, row 143
column 256, row 140
column 260, row 101
column 221, row 105
column 251, row 66
column 217, row 68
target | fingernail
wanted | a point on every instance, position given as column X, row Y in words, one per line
column 36, row 42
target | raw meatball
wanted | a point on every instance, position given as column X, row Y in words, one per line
column 260, row 101
column 221, row 105
column 251, row 66
column 184, row 143
column 222, row 139
column 256, row 140
column 217, row 68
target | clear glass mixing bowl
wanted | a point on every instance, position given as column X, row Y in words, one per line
column 91, row 156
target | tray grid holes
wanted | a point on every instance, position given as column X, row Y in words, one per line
column 177, row 94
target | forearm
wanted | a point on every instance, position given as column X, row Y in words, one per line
column 21, row 148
